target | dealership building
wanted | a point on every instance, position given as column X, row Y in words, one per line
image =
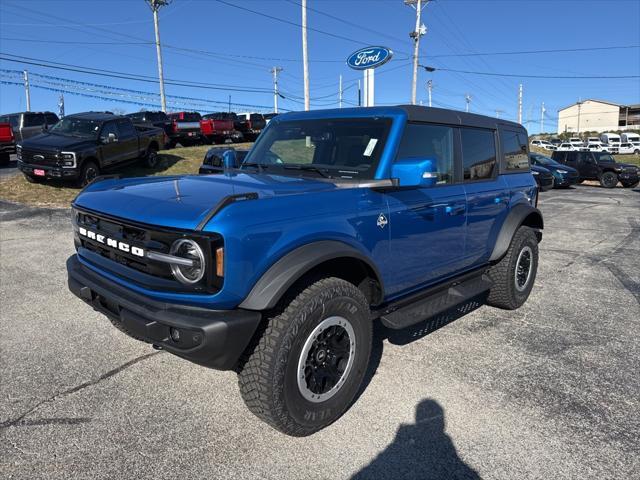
column 598, row 116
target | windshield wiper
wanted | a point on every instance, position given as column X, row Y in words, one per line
column 307, row 168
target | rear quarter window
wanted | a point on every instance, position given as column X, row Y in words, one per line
column 478, row 154
column 514, row 147
column 33, row 120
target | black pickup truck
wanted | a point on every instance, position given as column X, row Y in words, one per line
column 82, row 145
column 155, row 119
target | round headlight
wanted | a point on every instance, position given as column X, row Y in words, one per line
column 190, row 250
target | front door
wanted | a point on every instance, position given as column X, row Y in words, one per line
column 588, row 165
column 112, row 150
column 427, row 225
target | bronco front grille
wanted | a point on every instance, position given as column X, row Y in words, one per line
column 148, row 239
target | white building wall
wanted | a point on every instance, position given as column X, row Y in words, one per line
column 590, row 115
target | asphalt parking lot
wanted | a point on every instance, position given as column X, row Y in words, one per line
column 549, row 391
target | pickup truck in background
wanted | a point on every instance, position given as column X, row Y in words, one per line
column 155, row 119
column 217, row 127
column 28, row 124
column 185, row 129
column 7, row 143
column 250, row 124
column 80, row 146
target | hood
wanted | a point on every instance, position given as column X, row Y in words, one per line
column 55, row 142
column 183, row 201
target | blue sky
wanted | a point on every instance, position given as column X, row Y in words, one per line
column 220, row 46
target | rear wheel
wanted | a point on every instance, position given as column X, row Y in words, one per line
column 608, row 180
column 151, row 159
column 513, row 276
column 308, row 364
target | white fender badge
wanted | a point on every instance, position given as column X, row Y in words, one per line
column 382, row 220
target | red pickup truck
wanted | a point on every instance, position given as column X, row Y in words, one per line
column 217, row 127
column 7, row 143
column 185, row 128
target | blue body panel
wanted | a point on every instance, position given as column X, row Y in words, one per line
column 432, row 232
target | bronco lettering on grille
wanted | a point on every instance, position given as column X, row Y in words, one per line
column 110, row 242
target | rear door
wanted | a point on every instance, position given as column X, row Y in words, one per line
column 128, row 139
column 588, row 166
column 487, row 192
column 427, row 224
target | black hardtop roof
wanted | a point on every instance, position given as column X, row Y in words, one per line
column 20, row 113
column 417, row 113
column 99, row 116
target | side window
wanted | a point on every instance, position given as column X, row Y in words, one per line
column 51, row 118
column 33, row 120
column 514, row 146
column 478, row 154
column 109, row 127
column 126, row 129
column 430, row 141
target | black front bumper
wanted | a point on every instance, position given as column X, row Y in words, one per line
column 213, row 338
column 50, row 171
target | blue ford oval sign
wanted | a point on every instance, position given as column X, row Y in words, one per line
column 369, row 57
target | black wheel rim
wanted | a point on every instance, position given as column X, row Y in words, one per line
column 90, row 174
column 326, row 359
column 523, row 268
column 152, row 159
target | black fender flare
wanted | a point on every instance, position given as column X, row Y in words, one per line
column 273, row 284
column 519, row 214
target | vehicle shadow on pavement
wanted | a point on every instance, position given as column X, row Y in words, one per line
column 421, row 450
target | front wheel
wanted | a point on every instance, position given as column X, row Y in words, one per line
column 88, row 174
column 608, row 180
column 309, row 363
column 513, row 276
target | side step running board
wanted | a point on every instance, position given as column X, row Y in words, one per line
column 438, row 302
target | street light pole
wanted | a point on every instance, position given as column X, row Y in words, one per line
column 429, row 88
column 155, row 6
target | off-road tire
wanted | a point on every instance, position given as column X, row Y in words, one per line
column 608, row 180
column 504, row 293
column 268, row 377
column 88, row 173
column 630, row 185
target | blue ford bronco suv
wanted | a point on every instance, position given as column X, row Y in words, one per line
column 278, row 266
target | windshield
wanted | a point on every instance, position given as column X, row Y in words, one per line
column 76, row 127
column 343, row 148
column 542, row 160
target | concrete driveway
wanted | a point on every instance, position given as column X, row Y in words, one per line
column 550, row 391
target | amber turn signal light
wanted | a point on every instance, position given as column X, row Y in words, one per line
column 220, row 262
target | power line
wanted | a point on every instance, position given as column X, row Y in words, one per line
column 527, row 52
column 518, row 75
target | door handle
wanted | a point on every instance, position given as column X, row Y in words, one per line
column 455, row 209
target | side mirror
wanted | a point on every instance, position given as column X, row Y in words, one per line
column 415, row 172
column 230, row 159
column 112, row 138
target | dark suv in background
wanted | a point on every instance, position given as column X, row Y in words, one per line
column 28, row 124
column 600, row 166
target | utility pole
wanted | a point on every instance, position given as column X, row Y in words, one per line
column 467, row 99
column 418, row 32
column 61, row 106
column 579, row 107
column 429, row 88
column 520, row 104
column 275, row 71
column 229, row 103
column 25, row 76
column 498, row 112
column 305, row 55
column 156, row 5
column 340, row 92
column 542, row 110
